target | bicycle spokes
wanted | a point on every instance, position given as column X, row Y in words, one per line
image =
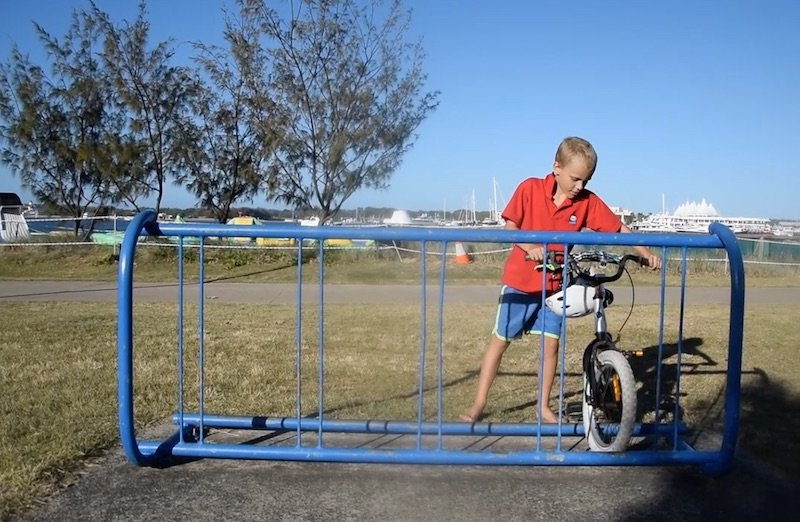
column 609, row 398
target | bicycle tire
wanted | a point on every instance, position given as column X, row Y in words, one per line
column 608, row 426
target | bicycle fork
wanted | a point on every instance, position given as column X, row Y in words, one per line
column 602, row 341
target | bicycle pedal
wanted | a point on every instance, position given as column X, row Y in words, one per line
column 633, row 353
column 574, row 412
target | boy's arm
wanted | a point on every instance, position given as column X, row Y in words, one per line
column 653, row 261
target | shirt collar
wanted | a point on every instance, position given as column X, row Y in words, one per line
column 550, row 190
column 550, row 185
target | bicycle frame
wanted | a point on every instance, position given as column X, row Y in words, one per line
column 613, row 393
column 602, row 340
column 600, row 325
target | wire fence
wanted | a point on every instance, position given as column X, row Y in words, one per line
column 107, row 232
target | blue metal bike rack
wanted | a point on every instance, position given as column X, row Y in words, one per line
column 189, row 441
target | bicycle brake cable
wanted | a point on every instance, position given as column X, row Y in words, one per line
column 633, row 302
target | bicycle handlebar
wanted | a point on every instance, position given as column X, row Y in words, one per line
column 552, row 264
column 603, row 258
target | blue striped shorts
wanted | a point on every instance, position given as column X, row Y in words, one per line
column 521, row 313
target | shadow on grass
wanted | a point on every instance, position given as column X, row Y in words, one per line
column 403, row 396
column 664, row 382
column 252, row 273
column 764, row 481
column 769, row 424
column 660, row 379
column 646, row 370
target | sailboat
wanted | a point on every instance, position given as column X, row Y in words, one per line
column 495, row 218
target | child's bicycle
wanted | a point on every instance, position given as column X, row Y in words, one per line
column 609, row 398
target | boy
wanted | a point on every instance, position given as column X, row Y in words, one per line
column 560, row 202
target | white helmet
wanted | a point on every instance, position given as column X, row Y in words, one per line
column 579, row 301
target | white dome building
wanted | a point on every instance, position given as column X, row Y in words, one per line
column 399, row 217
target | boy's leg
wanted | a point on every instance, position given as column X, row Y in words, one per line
column 492, row 356
column 548, row 376
column 548, row 326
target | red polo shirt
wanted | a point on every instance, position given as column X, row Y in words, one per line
column 532, row 208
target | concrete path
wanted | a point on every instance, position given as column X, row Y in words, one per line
column 216, row 490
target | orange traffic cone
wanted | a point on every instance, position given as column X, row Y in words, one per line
column 462, row 258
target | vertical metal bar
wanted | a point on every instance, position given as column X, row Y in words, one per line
column 539, row 396
column 127, row 431
column 562, row 350
column 657, row 405
column 422, row 343
column 676, row 410
column 440, row 340
column 298, row 339
column 180, row 337
column 201, row 333
column 321, row 340
column 733, row 385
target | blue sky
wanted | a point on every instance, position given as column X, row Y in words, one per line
column 686, row 99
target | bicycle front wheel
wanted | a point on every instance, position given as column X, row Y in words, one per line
column 608, row 415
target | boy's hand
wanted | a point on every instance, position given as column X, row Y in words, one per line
column 534, row 253
column 653, row 261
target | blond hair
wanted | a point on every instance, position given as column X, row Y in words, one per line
column 577, row 147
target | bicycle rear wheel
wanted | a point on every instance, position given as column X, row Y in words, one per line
column 608, row 423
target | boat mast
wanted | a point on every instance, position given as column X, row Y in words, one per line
column 474, row 216
column 494, row 195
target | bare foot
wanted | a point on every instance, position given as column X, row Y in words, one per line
column 548, row 417
column 474, row 414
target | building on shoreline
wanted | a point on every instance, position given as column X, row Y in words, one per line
column 696, row 217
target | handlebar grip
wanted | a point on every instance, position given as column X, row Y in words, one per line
column 547, row 264
column 548, row 267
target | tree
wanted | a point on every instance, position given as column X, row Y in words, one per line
column 61, row 133
column 156, row 96
column 235, row 129
column 350, row 88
